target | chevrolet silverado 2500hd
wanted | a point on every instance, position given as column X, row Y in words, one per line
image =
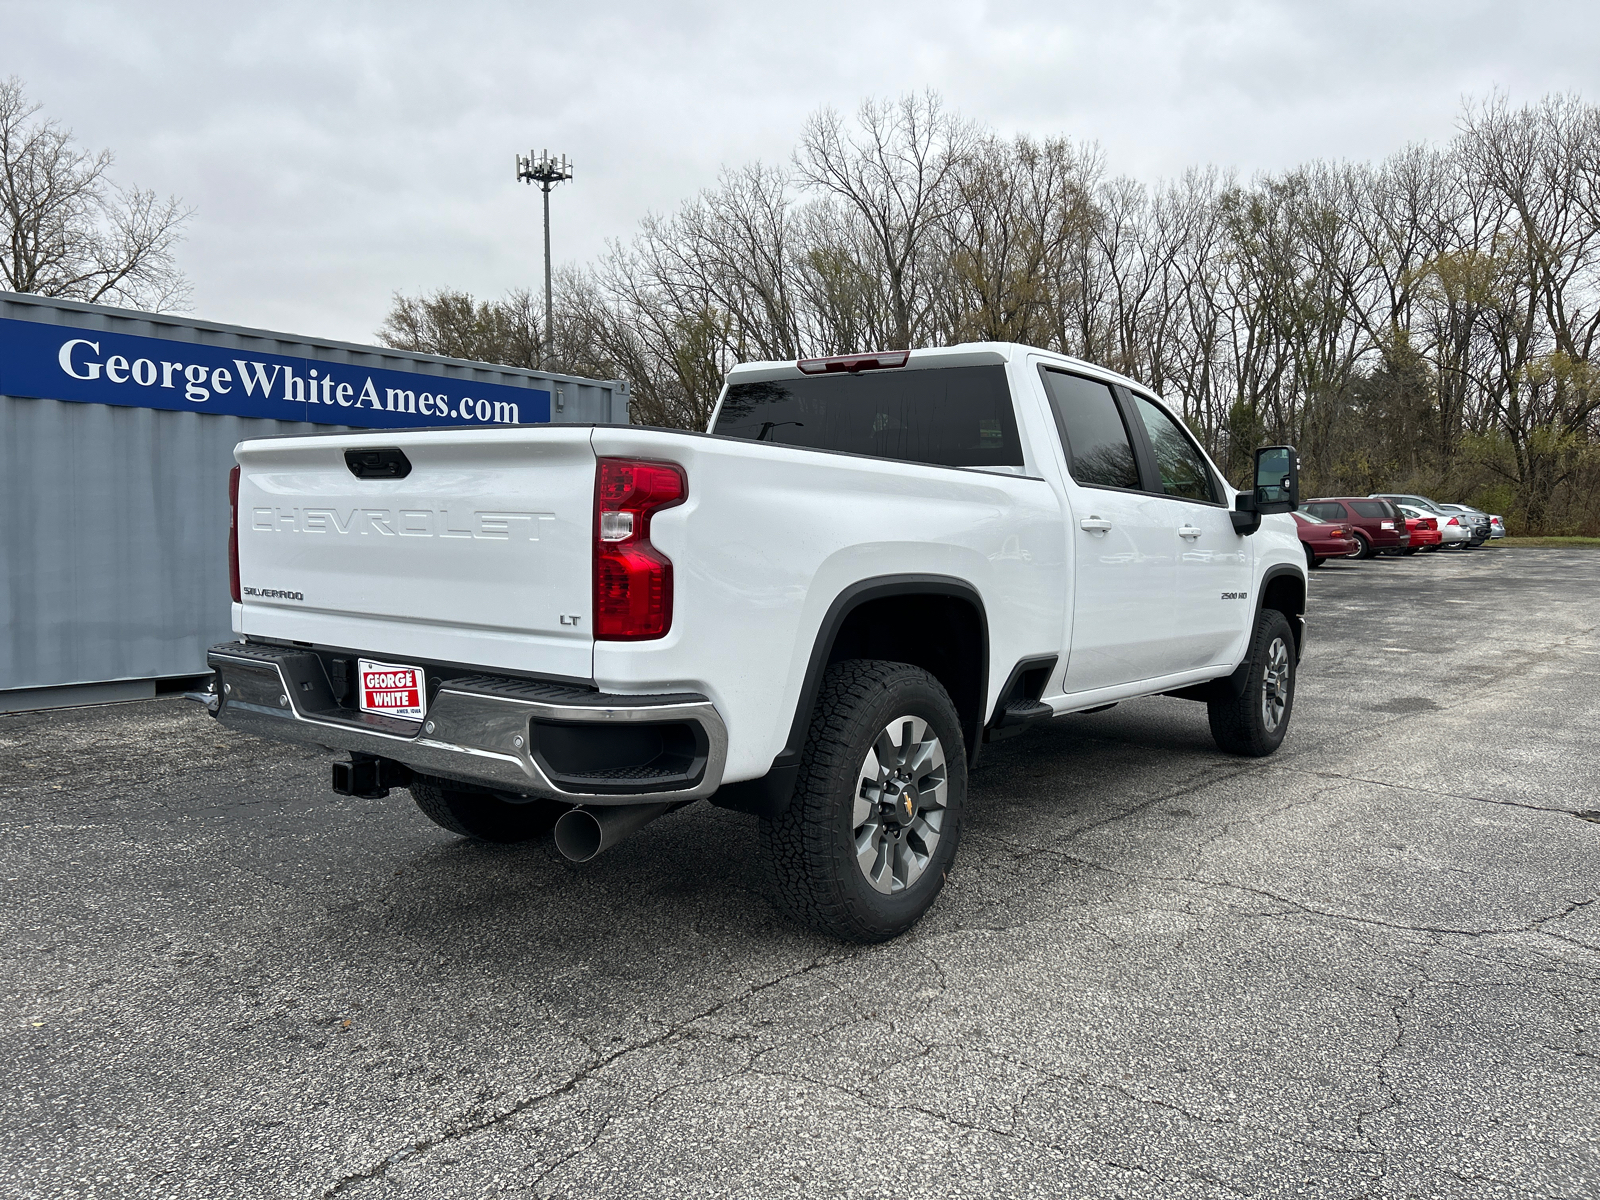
column 816, row 613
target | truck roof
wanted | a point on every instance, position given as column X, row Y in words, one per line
column 964, row 354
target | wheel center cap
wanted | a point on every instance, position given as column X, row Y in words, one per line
column 901, row 797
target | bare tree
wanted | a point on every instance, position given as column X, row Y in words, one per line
column 455, row 325
column 1015, row 212
column 69, row 231
column 892, row 171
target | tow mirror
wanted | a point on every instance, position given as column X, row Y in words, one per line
column 1277, row 485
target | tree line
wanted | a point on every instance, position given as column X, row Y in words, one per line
column 1426, row 323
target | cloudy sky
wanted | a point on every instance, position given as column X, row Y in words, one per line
column 337, row 152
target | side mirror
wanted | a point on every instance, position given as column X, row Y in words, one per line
column 1277, row 483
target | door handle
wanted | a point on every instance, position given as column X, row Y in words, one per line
column 1094, row 525
column 1189, row 531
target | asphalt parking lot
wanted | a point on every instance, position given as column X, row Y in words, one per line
column 1367, row 966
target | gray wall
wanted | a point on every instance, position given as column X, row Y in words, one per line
column 114, row 521
column 114, row 539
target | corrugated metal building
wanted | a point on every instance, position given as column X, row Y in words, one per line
column 117, row 431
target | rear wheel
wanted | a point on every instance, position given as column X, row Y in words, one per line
column 481, row 814
column 1253, row 722
column 1410, row 550
column 862, row 850
column 1363, row 547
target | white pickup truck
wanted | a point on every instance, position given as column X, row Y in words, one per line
column 817, row 613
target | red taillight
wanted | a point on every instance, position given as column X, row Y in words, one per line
column 852, row 363
column 1453, row 521
column 233, row 535
column 632, row 579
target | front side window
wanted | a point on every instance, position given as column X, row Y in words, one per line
column 1183, row 469
column 1099, row 451
column 944, row 416
column 1327, row 510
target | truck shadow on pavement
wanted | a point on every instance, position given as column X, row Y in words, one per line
column 700, row 869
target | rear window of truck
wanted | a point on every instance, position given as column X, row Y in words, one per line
column 943, row 416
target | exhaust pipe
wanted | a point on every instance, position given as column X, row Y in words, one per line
column 582, row 833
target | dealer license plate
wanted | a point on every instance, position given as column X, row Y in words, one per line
column 392, row 689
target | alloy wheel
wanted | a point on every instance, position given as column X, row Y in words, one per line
column 900, row 802
column 1275, row 685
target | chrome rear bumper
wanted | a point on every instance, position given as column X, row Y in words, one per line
column 479, row 728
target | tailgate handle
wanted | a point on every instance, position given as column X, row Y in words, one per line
column 386, row 462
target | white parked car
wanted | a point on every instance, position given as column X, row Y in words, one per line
column 1452, row 532
column 1497, row 527
column 818, row 612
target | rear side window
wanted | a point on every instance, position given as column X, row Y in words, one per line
column 1099, row 451
column 1183, row 470
column 1326, row 510
column 944, row 416
column 1371, row 508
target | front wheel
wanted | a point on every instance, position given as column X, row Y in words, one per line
column 862, row 850
column 1253, row 722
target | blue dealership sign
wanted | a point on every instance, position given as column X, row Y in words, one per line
column 92, row 366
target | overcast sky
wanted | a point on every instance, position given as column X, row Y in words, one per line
column 337, row 152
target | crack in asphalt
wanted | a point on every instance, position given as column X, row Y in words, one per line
column 1386, row 1085
column 470, row 1126
column 1027, row 849
column 1404, row 787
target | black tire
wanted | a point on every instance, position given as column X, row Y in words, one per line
column 1312, row 561
column 1239, row 724
column 1410, row 550
column 483, row 815
column 810, row 850
column 1363, row 546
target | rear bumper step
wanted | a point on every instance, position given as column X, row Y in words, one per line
column 533, row 739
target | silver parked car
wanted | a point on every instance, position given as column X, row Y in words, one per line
column 1447, row 513
column 1482, row 527
column 1497, row 527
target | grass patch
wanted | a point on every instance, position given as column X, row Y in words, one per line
column 1550, row 543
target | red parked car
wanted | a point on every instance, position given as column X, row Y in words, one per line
column 1424, row 533
column 1323, row 539
column 1378, row 526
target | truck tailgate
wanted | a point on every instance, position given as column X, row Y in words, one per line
column 480, row 554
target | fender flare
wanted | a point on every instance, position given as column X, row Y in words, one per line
column 769, row 795
column 1297, row 621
